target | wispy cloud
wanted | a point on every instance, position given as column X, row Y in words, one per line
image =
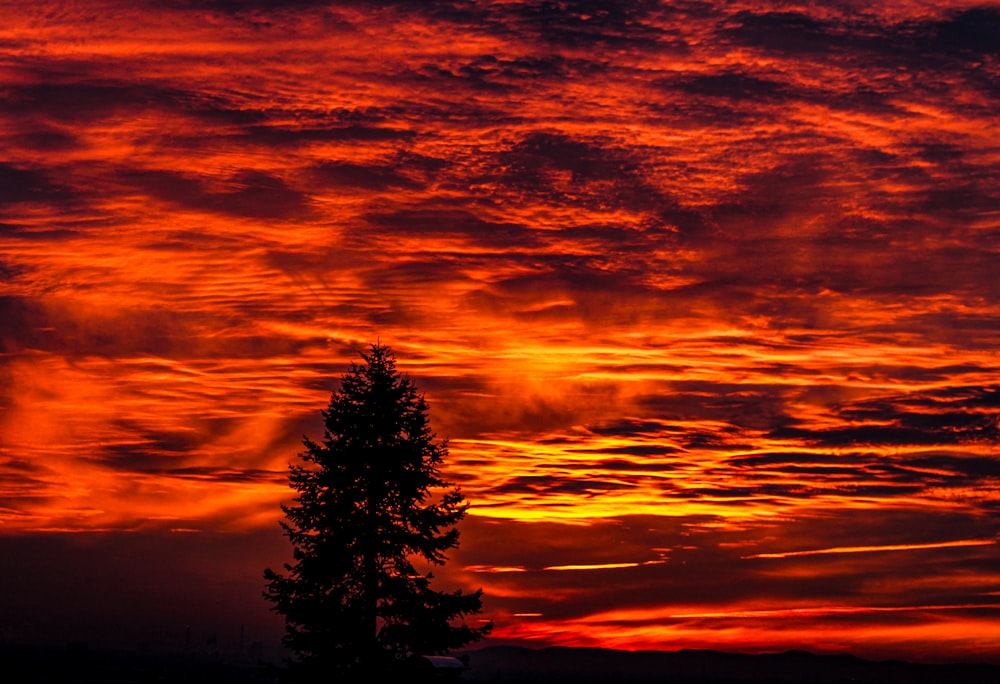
column 873, row 549
column 706, row 282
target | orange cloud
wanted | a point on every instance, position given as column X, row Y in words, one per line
column 713, row 286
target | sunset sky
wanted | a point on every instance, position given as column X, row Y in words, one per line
column 704, row 295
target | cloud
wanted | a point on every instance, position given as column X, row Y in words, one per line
column 730, row 86
column 362, row 176
column 694, row 556
column 59, row 98
column 879, row 549
column 970, row 33
column 434, row 222
column 743, row 405
column 693, row 289
column 891, row 421
column 19, row 185
column 531, row 484
column 280, row 137
column 590, row 24
column 250, row 193
column 591, row 174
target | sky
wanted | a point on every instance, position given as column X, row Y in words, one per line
column 703, row 295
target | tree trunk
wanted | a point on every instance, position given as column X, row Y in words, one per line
column 371, row 647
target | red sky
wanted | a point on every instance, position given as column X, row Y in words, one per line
column 704, row 296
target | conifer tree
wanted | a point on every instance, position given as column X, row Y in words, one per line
column 370, row 503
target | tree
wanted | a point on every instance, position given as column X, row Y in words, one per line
column 370, row 504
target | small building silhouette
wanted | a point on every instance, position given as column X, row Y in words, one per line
column 438, row 668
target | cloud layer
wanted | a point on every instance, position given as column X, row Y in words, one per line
column 703, row 294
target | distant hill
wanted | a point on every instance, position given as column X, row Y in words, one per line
column 516, row 665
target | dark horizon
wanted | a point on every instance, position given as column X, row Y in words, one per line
column 515, row 664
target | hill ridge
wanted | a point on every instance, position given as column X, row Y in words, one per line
column 596, row 665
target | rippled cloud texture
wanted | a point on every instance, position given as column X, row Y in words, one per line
column 704, row 295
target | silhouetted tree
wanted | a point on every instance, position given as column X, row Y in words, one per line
column 370, row 503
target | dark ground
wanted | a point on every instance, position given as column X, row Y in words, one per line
column 513, row 665
column 77, row 664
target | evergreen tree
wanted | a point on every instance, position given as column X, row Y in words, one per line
column 370, row 503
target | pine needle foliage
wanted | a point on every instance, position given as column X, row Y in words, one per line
column 370, row 504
